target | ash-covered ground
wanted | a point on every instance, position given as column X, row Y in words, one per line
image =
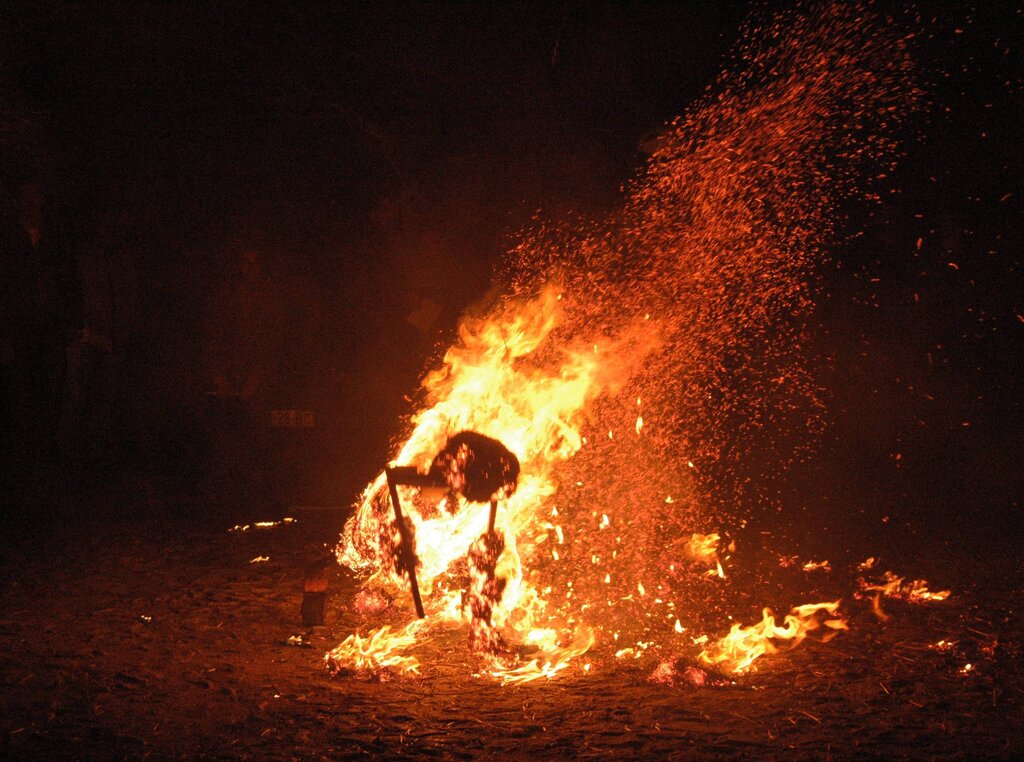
column 139, row 629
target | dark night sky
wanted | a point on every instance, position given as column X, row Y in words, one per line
column 336, row 101
column 203, row 120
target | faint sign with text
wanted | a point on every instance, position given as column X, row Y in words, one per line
column 291, row 419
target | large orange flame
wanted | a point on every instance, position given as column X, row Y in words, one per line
column 491, row 382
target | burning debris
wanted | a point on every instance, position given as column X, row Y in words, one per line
column 689, row 300
column 262, row 525
column 486, row 588
column 300, row 641
column 738, row 650
column 371, row 602
column 379, row 656
column 812, row 566
column 893, row 586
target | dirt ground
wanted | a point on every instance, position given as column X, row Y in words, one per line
column 159, row 637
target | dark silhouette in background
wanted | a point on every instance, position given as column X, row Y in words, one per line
column 41, row 305
column 244, row 331
column 107, row 264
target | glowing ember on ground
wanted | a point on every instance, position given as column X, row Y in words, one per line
column 677, row 322
column 817, row 566
column 668, row 673
column 370, row 601
column 262, row 525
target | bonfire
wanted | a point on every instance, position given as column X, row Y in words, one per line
column 629, row 362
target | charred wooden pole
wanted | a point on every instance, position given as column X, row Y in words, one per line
column 493, row 515
column 408, row 559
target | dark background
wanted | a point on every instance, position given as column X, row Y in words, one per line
column 379, row 157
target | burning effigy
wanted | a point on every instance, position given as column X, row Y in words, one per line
column 627, row 358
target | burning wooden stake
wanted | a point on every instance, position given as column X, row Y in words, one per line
column 405, row 475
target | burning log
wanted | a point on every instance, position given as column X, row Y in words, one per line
column 407, row 475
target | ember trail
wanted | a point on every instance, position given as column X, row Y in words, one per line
column 628, row 359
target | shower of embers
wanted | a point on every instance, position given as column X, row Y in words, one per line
column 631, row 367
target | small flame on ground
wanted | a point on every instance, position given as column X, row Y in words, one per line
column 738, row 650
column 378, row 654
column 262, row 525
column 876, row 608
